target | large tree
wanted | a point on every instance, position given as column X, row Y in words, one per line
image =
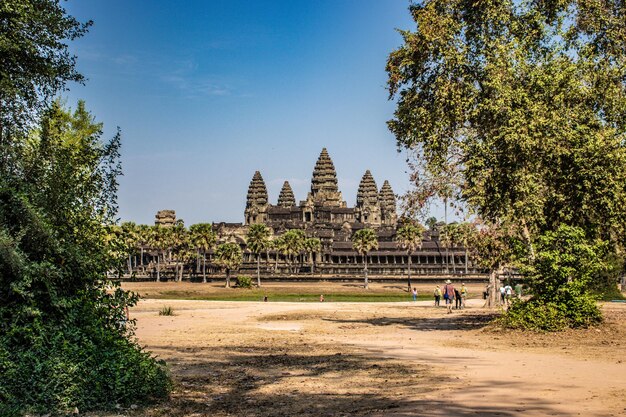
column 517, row 111
column 525, row 102
column 35, row 60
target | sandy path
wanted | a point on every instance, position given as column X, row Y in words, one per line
column 476, row 379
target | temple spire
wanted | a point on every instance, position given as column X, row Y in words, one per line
column 286, row 198
column 324, row 175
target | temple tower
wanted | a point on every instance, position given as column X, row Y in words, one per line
column 256, row 202
column 387, row 200
column 367, row 209
column 286, row 198
column 165, row 218
column 324, row 190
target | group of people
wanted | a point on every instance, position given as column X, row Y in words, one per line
column 451, row 295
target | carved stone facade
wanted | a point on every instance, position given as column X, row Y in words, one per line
column 165, row 218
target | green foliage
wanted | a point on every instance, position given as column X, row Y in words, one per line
column 257, row 238
column 36, row 62
column 166, row 311
column 244, row 281
column 228, row 256
column 64, row 340
column 410, row 236
column 559, row 279
column 364, row 240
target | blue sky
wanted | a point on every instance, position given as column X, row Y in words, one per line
column 207, row 92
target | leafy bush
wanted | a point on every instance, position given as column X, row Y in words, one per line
column 64, row 338
column 244, row 281
column 166, row 311
column 560, row 277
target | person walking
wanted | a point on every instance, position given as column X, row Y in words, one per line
column 448, row 295
column 502, row 294
column 437, row 295
column 414, row 294
column 463, row 295
column 457, row 299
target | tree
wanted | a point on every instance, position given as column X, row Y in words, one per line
column 180, row 247
column 229, row 257
column 277, row 244
column 130, row 235
column 257, row 240
column 203, row 238
column 293, row 244
column 312, row 245
column 36, row 62
column 363, row 241
column 409, row 238
column 431, row 222
column 522, row 106
column 57, row 209
column 159, row 240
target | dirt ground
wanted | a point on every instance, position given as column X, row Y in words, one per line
column 376, row 359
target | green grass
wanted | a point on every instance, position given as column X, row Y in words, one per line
column 257, row 295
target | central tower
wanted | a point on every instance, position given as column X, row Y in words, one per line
column 324, row 189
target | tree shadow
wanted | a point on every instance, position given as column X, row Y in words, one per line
column 455, row 321
column 257, row 381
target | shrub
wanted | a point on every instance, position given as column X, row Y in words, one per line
column 166, row 311
column 560, row 278
column 244, row 281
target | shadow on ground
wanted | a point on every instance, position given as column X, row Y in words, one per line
column 454, row 321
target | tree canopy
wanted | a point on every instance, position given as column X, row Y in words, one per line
column 517, row 109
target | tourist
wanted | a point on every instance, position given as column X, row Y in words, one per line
column 457, row 299
column 502, row 294
column 463, row 295
column 518, row 290
column 265, row 299
column 448, row 295
column 508, row 290
column 414, row 294
column 437, row 295
column 321, row 298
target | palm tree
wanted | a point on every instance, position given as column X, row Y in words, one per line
column 448, row 237
column 257, row 241
column 409, row 237
column 143, row 236
column 229, row 257
column 179, row 245
column 130, row 236
column 159, row 241
column 312, row 245
column 203, row 238
column 363, row 241
column 277, row 245
column 293, row 244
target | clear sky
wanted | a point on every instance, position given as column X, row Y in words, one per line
column 207, row 92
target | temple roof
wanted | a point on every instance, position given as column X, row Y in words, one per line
column 324, row 175
column 368, row 191
column 387, row 198
column 286, row 198
column 257, row 191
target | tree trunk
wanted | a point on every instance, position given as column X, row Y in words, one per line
column 493, row 293
column 130, row 264
column 227, row 278
column 158, row 268
column 466, row 259
column 258, row 270
column 365, row 271
column 204, row 267
column 529, row 242
column 409, row 272
column 453, row 262
column 276, row 264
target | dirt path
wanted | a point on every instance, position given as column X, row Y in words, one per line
column 396, row 359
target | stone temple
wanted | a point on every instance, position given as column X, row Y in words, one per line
column 324, row 214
